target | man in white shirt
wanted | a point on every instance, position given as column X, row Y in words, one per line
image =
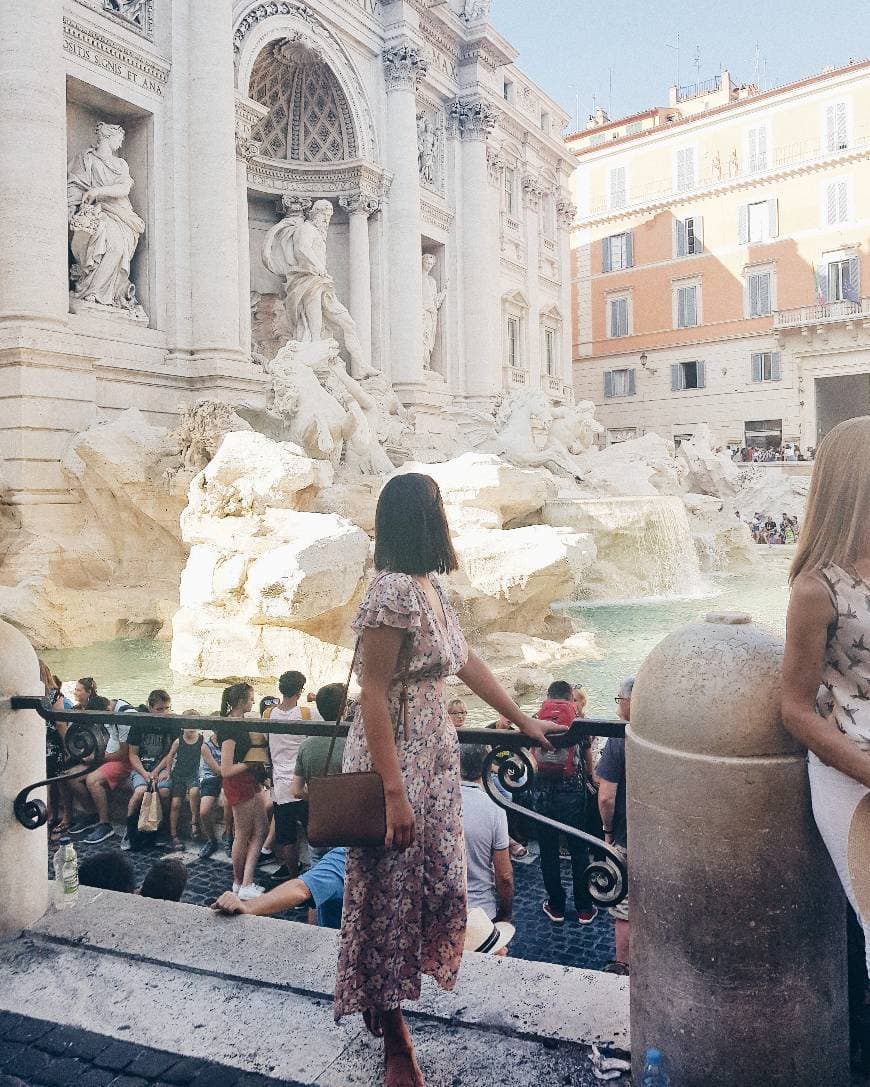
column 283, row 751
column 490, row 874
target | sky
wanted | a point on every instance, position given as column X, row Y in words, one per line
column 576, row 46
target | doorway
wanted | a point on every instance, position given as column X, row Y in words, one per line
column 840, row 398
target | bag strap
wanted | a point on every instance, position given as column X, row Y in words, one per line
column 401, row 716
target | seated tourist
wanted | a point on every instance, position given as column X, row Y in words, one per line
column 184, row 758
column 165, row 880
column 457, row 711
column 311, row 760
column 487, row 856
column 210, row 783
column 108, row 870
column 148, row 748
column 114, row 771
column 283, row 750
column 612, row 805
column 322, row 885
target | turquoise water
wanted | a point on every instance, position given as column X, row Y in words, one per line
column 624, row 634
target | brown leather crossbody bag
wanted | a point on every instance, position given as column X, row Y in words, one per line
column 350, row 809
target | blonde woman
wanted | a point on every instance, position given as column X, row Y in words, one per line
column 826, row 675
column 457, row 711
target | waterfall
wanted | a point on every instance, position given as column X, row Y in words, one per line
column 645, row 546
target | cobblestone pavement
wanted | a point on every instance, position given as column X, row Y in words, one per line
column 570, row 944
column 35, row 1053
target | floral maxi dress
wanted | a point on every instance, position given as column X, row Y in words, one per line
column 405, row 912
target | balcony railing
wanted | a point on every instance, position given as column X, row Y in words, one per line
column 812, row 316
column 514, row 377
column 554, row 386
column 695, row 90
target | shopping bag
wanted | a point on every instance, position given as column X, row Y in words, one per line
column 151, row 811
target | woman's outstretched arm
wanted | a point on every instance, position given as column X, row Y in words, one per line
column 478, row 678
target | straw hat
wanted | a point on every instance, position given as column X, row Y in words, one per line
column 859, row 855
column 485, row 936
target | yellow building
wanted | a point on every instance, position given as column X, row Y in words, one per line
column 718, row 258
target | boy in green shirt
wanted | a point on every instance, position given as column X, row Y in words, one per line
column 314, row 750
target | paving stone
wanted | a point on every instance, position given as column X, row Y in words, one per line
column 9, row 1021
column 11, row 1081
column 151, row 1064
column 85, row 1045
column 31, row 1063
column 216, row 1076
column 25, row 1029
column 185, row 1071
column 62, row 1072
column 117, row 1056
column 129, row 1081
column 9, row 1052
column 95, row 1077
column 57, row 1041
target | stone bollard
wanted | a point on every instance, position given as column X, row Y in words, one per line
column 23, row 853
column 738, row 927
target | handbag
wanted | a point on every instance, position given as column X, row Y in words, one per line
column 350, row 809
column 151, row 811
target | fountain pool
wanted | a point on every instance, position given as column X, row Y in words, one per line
column 624, row 633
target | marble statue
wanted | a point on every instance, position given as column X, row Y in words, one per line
column 105, row 228
column 269, row 328
column 133, row 11
column 201, row 429
column 433, row 300
column 476, row 9
column 525, row 435
column 427, row 149
column 575, row 427
column 295, row 249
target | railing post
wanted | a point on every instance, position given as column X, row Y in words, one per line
column 738, row 925
column 23, row 854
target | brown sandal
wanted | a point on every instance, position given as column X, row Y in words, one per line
column 372, row 1020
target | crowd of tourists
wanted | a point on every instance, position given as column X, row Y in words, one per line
column 788, row 453
column 404, row 899
column 766, row 529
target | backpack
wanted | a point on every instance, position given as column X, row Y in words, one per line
column 563, row 762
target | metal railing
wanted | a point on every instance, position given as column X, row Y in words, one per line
column 508, row 762
column 695, row 90
column 829, row 313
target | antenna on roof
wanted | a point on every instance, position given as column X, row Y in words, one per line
column 697, row 62
column 676, row 47
column 756, row 78
column 610, row 91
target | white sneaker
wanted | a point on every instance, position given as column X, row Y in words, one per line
column 236, row 888
column 252, row 890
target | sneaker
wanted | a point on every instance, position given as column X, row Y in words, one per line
column 587, row 916
column 281, row 874
column 228, row 842
column 211, row 847
column 621, row 969
column 100, row 833
column 252, row 890
column 556, row 916
column 236, row 888
column 266, row 855
column 81, row 824
column 125, row 844
column 176, row 845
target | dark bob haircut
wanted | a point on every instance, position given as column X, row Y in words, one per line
column 411, row 531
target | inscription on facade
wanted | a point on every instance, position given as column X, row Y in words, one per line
column 110, row 56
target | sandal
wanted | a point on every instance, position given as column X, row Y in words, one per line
column 616, row 967
column 518, row 851
column 177, row 844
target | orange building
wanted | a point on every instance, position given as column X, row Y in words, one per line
column 718, row 258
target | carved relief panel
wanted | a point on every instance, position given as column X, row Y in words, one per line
column 431, row 146
column 136, row 14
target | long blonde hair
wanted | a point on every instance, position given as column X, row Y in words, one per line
column 836, row 526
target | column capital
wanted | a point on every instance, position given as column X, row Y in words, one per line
column 471, row 118
column 533, row 190
column 404, row 66
column 247, row 148
column 358, row 203
column 566, row 211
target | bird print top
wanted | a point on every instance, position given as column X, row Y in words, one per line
column 844, row 696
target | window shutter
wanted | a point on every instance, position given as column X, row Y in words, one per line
column 681, row 308
column 743, row 226
column 676, row 377
column 761, row 152
column 629, row 249
column 753, row 149
column 631, row 386
column 608, row 384
column 831, row 203
column 757, row 367
column 836, row 120
column 831, row 125
column 753, row 295
column 701, row 368
column 842, row 202
column 691, row 307
column 680, row 236
column 854, row 278
column 822, row 294
column 764, row 294
column 698, row 221
column 776, row 366
column 773, row 218
column 605, row 255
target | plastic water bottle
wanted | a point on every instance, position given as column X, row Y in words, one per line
column 654, row 1074
column 66, row 875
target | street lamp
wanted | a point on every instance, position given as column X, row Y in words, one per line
column 644, row 359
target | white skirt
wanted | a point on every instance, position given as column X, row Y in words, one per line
column 835, row 798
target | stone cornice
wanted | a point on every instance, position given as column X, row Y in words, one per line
column 333, row 180
column 368, row 205
column 116, row 57
column 471, row 118
column 533, row 190
column 435, row 214
column 566, row 211
column 404, row 66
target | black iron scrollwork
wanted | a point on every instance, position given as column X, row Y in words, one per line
column 84, row 743
column 607, row 875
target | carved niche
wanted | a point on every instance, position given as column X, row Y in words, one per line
column 137, row 14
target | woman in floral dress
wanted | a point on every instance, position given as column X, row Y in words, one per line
column 404, row 905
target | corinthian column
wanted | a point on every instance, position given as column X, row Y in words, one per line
column 358, row 209
column 214, row 211
column 472, row 119
column 33, row 220
column 404, row 66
